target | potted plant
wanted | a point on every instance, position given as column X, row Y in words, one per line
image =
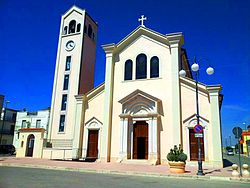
column 177, row 160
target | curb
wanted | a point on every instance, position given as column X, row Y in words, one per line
column 128, row 173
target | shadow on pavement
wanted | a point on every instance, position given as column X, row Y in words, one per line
column 210, row 172
column 227, row 163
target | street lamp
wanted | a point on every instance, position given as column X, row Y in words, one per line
column 195, row 69
column 5, row 110
column 244, row 126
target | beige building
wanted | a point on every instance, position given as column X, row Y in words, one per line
column 27, row 120
column 142, row 109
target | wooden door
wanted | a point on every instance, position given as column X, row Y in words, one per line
column 30, row 145
column 193, row 143
column 92, row 151
column 140, row 140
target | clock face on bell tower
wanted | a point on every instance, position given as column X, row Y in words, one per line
column 70, row 45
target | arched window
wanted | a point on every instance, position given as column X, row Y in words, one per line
column 90, row 30
column 141, row 66
column 128, row 70
column 154, row 67
column 78, row 28
column 65, row 30
column 72, row 26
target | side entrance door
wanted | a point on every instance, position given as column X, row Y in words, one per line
column 92, row 151
column 193, row 145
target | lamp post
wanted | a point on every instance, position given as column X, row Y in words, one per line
column 5, row 110
column 182, row 73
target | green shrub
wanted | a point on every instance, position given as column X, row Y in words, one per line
column 177, row 154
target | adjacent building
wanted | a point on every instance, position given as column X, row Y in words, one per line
column 31, row 120
column 7, row 123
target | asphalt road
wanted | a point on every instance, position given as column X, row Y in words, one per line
column 12, row 177
column 231, row 159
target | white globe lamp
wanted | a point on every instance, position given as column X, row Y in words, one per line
column 195, row 67
column 182, row 73
column 210, row 70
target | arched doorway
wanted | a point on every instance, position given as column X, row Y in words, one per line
column 140, row 140
column 30, row 145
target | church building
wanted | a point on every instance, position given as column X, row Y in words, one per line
column 143, row 108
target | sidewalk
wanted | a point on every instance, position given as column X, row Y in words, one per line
column 117, row 168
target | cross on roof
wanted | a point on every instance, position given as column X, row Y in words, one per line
column 142, row 20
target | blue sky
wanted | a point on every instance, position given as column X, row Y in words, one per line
column 216, row 31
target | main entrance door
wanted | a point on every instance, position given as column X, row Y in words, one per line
column 140, row 140
column 92, row 151
column 193, row 143
column 30, row 145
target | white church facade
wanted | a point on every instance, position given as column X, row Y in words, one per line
column 142, row 109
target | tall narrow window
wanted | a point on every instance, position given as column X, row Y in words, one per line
column 65, row 30
column 68, row 62
column 64, row 102
column 72, row 26
column 141, row 66
column 154, row 67
column 62, row 123
column 38, row 123
column 66, row 82
column 90, row 30
column 128, row 70
column 78, row 28
column 85, row 29
column 23, row 124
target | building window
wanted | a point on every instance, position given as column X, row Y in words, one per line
column 64, row 102
column 23, row 124
column 38, row 123
column 65, row 30
column 66, row 82
column 90, row 30
column 128, row 70
column 62, row 123
column 68, row 62
column 14, row 117
column 12, row 129
column 154, row 67
column 78, row 28
column 72, row 26
column 141, row 66
column 85, row 29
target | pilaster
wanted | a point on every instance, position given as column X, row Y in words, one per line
column 176, row 41
column 123, row 138
column 215, row 125
column 108, row 101
column 78, row 127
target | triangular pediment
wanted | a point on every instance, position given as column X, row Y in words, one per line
column 72, row 9
column 138, row 93
column 144, row 31
column 192, row 117
column 139, row 103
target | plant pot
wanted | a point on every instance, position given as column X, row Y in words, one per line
column 177, row 167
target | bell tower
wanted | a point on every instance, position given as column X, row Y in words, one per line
column 74, row 72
